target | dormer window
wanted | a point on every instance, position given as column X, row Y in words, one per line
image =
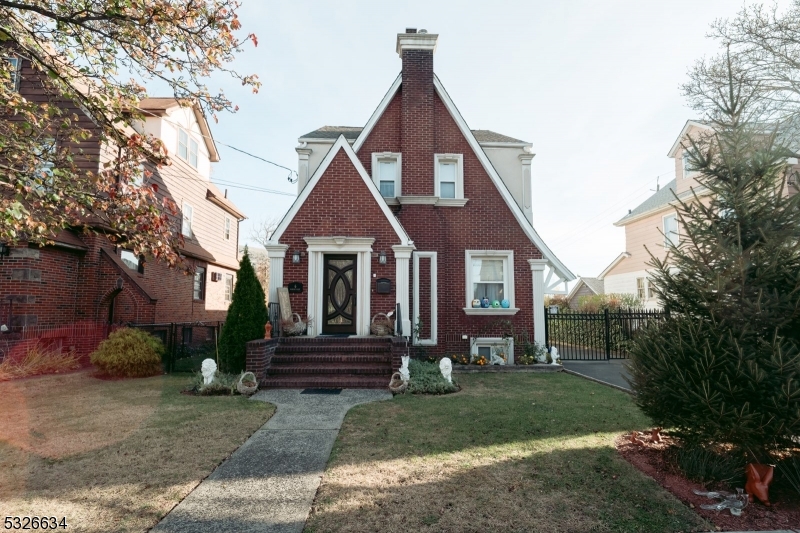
column 386, row 169
column 687, row 164
column 187, row 147
column 449, row 176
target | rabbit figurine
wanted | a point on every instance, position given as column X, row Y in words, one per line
column 758, row 479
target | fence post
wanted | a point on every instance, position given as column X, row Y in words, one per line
column 608, row 334
column 546, row 327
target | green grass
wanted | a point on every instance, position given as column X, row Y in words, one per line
column 112, row 455
column 510, row 452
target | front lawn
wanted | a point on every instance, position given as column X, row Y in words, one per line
column 112, row 455
column 511, row 452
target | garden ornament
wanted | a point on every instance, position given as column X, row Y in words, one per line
column 404, row 375
column 554, row 355
column 655, row 435
column 447, row 369
column 208, row 369
column 759, row 478
column 635, row 439
column 497, row 360
column 267, row 330
column 734, row 502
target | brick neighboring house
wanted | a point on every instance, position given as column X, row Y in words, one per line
column 85, row 279
column 654, row 223
column 418, row 210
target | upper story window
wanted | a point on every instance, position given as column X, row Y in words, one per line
column 688, row 168
column 133, row 261
column 15, row 64
column 199, row 284
column 186, row 225
column 187, row 147
column 386, row 170
column 227, row 231
column 641, row 289
column 671, row 236
column 228, row 287
column 449, row 176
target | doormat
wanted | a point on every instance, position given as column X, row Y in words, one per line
column 321, row 391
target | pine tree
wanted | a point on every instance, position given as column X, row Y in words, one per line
column 725, row 366
column 247, row 316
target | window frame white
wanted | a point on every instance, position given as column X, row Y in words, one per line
column 458, row 159
column 191, row 147
column 202, row 271
column 397, row 157
column 641, row 291
column 685, row 162
column 667, row 239
column 226, row 230
column 16, row 61
column 186, row 227
column 229, row 283
column 508, row 281
column 492, row 343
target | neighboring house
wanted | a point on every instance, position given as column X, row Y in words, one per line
column 654, row 224
column 584, row 287
column 418, row 210
column 83, row 277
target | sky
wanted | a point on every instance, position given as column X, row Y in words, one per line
column 594, row 86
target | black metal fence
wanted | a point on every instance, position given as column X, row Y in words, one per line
column 596, row 336
column 187, row 343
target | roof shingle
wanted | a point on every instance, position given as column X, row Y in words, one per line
column 351, row 133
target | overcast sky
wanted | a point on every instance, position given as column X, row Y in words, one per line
column 592, row 84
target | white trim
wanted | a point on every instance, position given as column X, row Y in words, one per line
column 524, row 223
column 497, row 144
column 434, row 299
column 508, row 281
column 451, row 202
column 476, row 342
column 321, row 140
column 317, row 248
column 677, row 229
column 537, row 279
column 397, row 157
column 458, row 159
column 614, row 263
column 678, row 142
column 575, row 288
column 186, row 229
column 340, row 144
column 402, row 255
column 417, row 200
column 416, row 41
column 376, row 115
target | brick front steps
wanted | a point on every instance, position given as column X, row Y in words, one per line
column 330, row 362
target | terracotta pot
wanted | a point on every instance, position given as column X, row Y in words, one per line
column 268, row 331
column 759, row 478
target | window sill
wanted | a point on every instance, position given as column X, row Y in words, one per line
column 451, row 202
column 491, row 311
column 391, row 201
column 424, row 200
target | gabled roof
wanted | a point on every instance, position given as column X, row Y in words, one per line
column 661, row 198
column 682, row 135
column 595, row 285
column 526, row 226
column 341, row 144
column 159, row 107
column 488, row 136
column 615, row 262
column 216, row 197
column 351, row 133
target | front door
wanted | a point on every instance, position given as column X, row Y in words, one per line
column 339, row 294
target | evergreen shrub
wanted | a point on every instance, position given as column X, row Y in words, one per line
column 426, row 378
column 130, row 353
column 247, row 316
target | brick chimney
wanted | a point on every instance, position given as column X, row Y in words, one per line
column 416, row 49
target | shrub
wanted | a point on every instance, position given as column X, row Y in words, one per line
column 532, row 352
column 247, row 316
column 705, row 465
column 38, row 360
column 789, row 470
column 222, row 385
column 130, row 353
column 426, row 378
column 613, row 302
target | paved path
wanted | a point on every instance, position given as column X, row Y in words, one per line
column 612, row 371
column 269, row 483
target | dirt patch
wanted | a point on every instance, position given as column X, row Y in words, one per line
column 653, row 459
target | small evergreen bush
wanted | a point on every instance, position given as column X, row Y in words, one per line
column 426, row 378
column 129, row 353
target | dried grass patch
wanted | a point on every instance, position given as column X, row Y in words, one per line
column 38, row 360
column 112, row 455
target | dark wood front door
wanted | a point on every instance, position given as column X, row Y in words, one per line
column 339, row 294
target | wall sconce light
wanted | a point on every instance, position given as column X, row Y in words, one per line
column 382, row 258
column 5, row 250
column 296, row 256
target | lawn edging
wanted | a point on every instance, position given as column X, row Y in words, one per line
column 600, row 381
column 474, row 369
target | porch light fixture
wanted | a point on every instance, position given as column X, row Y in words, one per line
column 5, row 250
column 382, row 258
column 296, row 256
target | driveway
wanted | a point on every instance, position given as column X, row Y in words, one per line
column 612, row 371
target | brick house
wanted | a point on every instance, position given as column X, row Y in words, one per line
column 83, row 278
column 418, row 210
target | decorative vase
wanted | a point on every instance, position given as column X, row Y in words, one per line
column 496, row 304
column 759, row 478
column 505, row 304
column 485, row 302
column 476, row 303
column 268, row 331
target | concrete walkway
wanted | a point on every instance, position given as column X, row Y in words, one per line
column 612, row 371
column 269, row 483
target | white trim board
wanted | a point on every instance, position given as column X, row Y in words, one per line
column 434, row 298
column 340, row 144
column 378, row 113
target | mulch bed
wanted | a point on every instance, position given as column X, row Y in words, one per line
column 653, row 460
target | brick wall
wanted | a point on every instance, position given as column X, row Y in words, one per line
column 259, row 357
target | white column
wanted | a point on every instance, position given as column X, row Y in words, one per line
column 276, row 254
column 402, row 256
column 527, row 185
column 302, row 166
column 537, row 269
